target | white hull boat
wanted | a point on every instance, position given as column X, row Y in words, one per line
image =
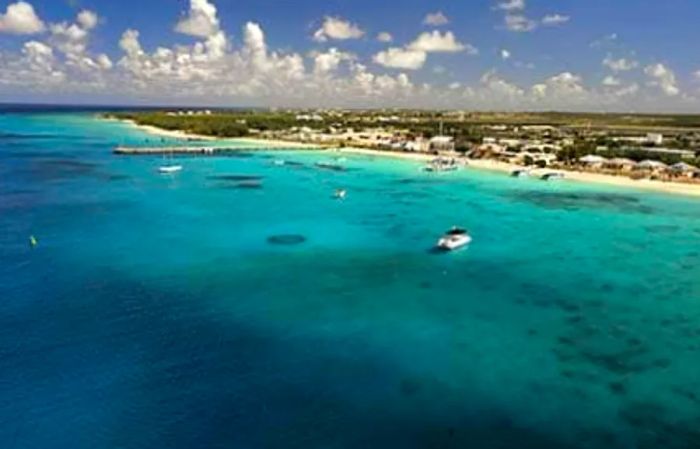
column 454, row 239
column 170, row 169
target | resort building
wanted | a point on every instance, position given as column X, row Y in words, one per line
column 442, row 144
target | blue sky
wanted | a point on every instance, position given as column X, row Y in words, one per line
column 482, row 54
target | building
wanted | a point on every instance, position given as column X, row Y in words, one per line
column 655, row 138
column 442, row 144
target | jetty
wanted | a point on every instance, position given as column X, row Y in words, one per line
column 151, row 151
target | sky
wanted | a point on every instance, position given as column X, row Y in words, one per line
column 593, row 55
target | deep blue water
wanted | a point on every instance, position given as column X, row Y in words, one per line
column 177, row 311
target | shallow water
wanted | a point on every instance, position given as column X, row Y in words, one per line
column 199, row 311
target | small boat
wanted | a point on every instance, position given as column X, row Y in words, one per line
column 340, row 194
column 441, row 164
column 454, row 239
column 520, row 173
column 550, row 176
column 327, row 166
column 169, row 169
column 278, row 162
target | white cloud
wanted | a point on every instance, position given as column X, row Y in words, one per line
column 87, row 19
column 337, row 28
column 436, row 19
column 20, row 18
column 663, row 78
column 626, row 91
column 495, row 88
column 511, row 5
column 696, row 75
column 385, row 37
column 620, row 65
column 210, row 70
column 611, row 81
column 563, row 85
column 200, row 21
column 436, row 42
column 328, row 62
column 401, row 58
column 414, row 55
column 555, row 19
column 519, row 23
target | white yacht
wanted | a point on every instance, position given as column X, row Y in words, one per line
column 340, row 194
column 455, row 238
column 169, row 169
column 441, row 164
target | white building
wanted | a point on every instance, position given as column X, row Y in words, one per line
column 442, row 143
column 655, row 138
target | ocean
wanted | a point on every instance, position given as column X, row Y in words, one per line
column 237, row 304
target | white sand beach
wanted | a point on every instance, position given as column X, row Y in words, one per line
column 598, row 178
column 483, row 164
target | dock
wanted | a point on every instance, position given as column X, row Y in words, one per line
column 153, row 151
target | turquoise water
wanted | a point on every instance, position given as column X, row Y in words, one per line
column 203, row 310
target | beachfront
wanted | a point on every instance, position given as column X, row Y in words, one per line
column 620, row 180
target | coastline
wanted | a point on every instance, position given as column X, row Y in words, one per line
column 577, row 176
column 479, row 164
column 178, row 134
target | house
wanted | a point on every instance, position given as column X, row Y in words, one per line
column 620, row 163
column 655, row 138
column 651, row 166
column 683, row 169
column 442, row 144
column 593, row 160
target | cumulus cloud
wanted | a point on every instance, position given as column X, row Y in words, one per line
column 663, row 78
column 385, row 37
column 337, row 28
column 519, row 23
column 213, row 70
column 87, row 19
column 436, row 42
column 436, row 19
column 201, row 20
column 555, row 19
column 414, row 55
column 494, row 82
column 401, row 58
column 511, row 5
column 329, row 61
column 20, row 18
column 561, row 85
column 620, row 65
column 611, row 81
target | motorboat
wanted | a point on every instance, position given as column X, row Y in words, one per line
column 520, row 173
column 551, row 176
column 441, row 164
column 454, row 239
column 169, row 169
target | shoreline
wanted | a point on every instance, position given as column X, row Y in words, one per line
column 178, row 134
column 479, row 164
column 577, row 176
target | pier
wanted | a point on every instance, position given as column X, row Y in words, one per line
column 152, row 151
